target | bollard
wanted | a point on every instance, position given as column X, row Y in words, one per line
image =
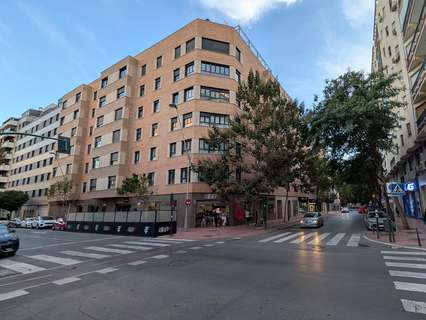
column 418, row 237
column 390, row 229
column 377, row 225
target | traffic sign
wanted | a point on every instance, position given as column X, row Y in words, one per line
column 395, row 189
column 188, row 202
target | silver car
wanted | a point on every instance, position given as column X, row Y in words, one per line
column 312, row 220
column 370, row 220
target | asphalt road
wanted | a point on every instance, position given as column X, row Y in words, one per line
column 326, row 273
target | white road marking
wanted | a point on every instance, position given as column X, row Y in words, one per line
column 145, row 243
column 289, row 237
column 195, row 248
column 275, row 237
column 405, row 258
column 409, row 286
column 319, row 239
column 407, row 253
column 137, row 263
column 354, row 240
column 163, row 241
column 336, row 239
column 61, row 282
column 106, row 270
column 414, row 306
column 13, row 294
column 181, row 251
column 405, row 265
column 111, row 250
column 53, row 259
column 126, row 246
column 209, row 245
column 175, row 239
column 159, row 256
column 304, row 237
column 71, row 242
column 407, row 274
column 20, row 267
column 220, row 242
column 85, row 254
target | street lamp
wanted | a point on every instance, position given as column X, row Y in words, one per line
column 185, row 222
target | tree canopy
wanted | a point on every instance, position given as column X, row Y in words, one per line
column 12, row 200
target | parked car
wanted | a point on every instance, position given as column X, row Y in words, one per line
column 59, row 224
column 15, row 223
column 4, row 221
column 345, row 210
column 371, row 220
column 9, row 241
column 27, row 223
column 362, row 210
column 43, row 222
column 312, row 220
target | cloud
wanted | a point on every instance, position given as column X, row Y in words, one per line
column 244, row 11
column 357, row 12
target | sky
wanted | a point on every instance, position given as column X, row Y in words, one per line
column 48, row 47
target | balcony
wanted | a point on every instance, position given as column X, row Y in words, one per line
column 417, row 50
column 3, row 179
column 8, row 145
column 418, row 90
column 7, row 156
column 410, row 15
column 4, row 167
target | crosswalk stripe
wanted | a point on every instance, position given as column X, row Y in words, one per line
column 405, row 258
column 318, row 240
column 354, row 240
column 407, row 274
column 408, row 253
column 163, row 241
column 336, row 239
column 53, row 259
column 275, row 237
column 137, row 263
column 144, row 243
column 159, row 256
column 175, row 239
column 61, row 282
column 20, row 267
column 12, row 294
column 195, row 248
column 304, row 237
column 106, row 270
column 414, row 306
column 289, row 237
column 409, row 286
column 127, row 246
column 111, row 250
column 85, row 254
column 405, row 265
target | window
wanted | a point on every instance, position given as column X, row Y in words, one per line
column 104, row 82
column 173, row 123
column 187, row 119
column 215, row 94
column 138, row 134
column 203, row 145
column 61, row 121
column 189, row 69
column 99, row 121
column 76, row 114
column 118, row 114
column 142, row 90
column 409, row 129
column 93, row 112
column 387, row 31
column 95, row 95
column 77, row 97
column 143, row 70
column 68, row 168
column 177, row 52
column 176, row 75
column 84, row 187
column 186, row 146
column 215, row 45
column 123, row 72
column 154, row 130
column 157, row 83
column 151, row 179
column 175, row 98
column 402, row 139
column 156, row 106
column 102, row 102
column 238, row 54
column 116, row 136
column 159, row 62
column 98, row 142
column 64, row 104
column 89, row 148
column 215, row 68
column 390, row 51
column 136, row 157
column 73, row 131
column 153, row 153
column 92, row 186
column 238, row 76
column 90, row 130
column 171, row 176
column 96, row 162
column 140, row 112
column 188, row 94
column 172, row 149
column 111, row 182
column 121, row 92
column 86, row 167
column 184, row 176
column 190, row 45
column 113, row 158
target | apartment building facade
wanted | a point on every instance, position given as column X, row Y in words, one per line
column 7, row 144
column 122, row 124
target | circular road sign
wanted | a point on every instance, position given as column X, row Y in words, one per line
column 188, row 202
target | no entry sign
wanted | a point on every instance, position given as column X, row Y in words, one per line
column 188, row 202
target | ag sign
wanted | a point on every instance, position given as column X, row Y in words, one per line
column 395, row 189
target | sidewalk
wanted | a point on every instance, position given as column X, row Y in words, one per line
column 404, row 237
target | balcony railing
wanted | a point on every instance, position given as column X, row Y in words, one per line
column 419, row 81
column 416, row 36
column 421, row 120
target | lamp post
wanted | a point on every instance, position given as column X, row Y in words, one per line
column 185, row 222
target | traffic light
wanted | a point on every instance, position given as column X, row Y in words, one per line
column 64, row 145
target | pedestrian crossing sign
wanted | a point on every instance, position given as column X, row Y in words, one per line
column 395, row 189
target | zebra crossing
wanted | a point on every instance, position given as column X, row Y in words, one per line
column 406, row 269
column 32, row 263
column 314, row 238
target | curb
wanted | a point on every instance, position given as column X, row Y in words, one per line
column 393, row 244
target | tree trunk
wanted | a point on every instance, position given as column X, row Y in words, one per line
column 257, row 209
column 285, row 203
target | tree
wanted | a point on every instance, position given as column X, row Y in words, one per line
column 12, row 200
column 354, row 123
column 62, row 192
column 136, row 185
